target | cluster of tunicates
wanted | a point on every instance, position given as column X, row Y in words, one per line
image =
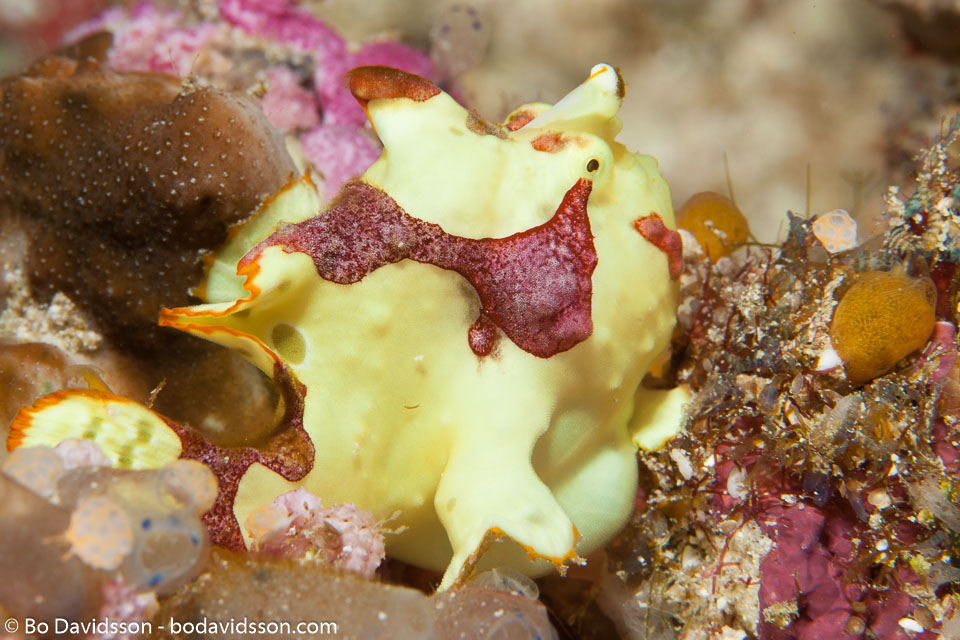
column 69, row 523
column 154, row 515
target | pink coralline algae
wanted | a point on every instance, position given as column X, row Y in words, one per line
column 809, row 566
column 314, row 104
column 811, row 583
column 802, row 569
column 941, row 351
column 337, row 147
column 285, row 23
column 339, row 152
column 297, row 525
column 281, row 21
column 942, row 345
column 947, row 451
column 154, row 41
column 386, row 53
column 288, row 106
column 809, row 588
column 150, row 39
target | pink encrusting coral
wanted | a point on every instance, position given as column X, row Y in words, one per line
column 150, row 39
column 287, row 105
column 336, row 147
column 340, row 152
column 312, row 102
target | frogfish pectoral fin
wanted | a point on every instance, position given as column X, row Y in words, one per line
column 479, row 502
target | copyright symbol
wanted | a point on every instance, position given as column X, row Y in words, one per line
column 11, row 625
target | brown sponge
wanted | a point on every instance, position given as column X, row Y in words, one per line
column 124, row 180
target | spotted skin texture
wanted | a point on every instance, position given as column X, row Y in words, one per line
column 534, row 285
column 122, row 180
column 100, row 532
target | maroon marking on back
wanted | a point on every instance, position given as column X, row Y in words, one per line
column 535, row 285
column 664, row 238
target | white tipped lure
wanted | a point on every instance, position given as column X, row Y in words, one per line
column 599, row 98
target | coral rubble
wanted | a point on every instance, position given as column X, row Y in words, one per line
column 846, row 471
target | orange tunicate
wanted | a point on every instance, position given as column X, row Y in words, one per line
column 836, row 231
column 100, row 532
column 883, row 317
column 715, row 221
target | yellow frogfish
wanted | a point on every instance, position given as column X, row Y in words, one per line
column 468, row 323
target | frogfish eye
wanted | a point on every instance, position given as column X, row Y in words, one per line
column 593, row 165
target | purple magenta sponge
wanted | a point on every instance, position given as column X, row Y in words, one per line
column 808, row 590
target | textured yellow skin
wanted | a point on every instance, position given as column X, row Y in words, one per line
column 404, row 416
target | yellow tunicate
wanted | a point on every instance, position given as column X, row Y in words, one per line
column 883, row 317
column 715, row 221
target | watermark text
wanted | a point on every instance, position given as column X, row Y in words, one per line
column 232, row 627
